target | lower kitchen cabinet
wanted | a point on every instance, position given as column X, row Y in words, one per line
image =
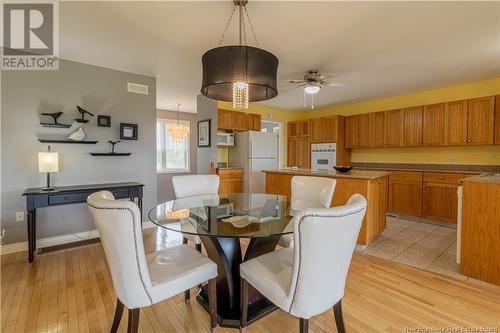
column 440, row 200
column 405, row 193
column 231, row 180
column 431, row 195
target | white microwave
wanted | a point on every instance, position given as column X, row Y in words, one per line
column 225, row 139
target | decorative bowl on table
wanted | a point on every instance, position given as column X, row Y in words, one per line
column 343, row 168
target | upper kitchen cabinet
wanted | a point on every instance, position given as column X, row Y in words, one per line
column 456, row 123
column 470, row 122
column 359, row 130
column 381, row 129
column 351, row 132
column 378, row 128
column 394, row 125
column 480, row 121
column 224, row 119
column 237, row 121
column 298, row 128
column 413, row 126
column 433, row 125
column 497, row 120
column 253, row 122
column 325, row 129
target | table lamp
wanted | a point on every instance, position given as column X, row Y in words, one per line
column 48, row 162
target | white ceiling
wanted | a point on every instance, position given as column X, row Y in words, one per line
column 376, row 48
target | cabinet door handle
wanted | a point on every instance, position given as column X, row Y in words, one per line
column 425, row 142
column 66, row 198
column 468, row 141
column 465, row 140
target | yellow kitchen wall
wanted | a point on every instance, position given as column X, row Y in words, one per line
column 477, row 155
column 222, row 154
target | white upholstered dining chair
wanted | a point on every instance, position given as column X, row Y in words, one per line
column 309, row 192
column 141, row 279
column 194, row 185
column 309, row 278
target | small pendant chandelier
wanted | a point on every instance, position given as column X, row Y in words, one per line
column 239, row 73
column 178, row 132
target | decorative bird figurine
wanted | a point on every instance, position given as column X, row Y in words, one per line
column 82, row 113
column 78, row 135
column 113, row 143
column 54, row 115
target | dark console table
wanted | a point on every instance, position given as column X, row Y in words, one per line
column 64, row 195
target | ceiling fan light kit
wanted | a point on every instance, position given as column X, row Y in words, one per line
column 239, row 73
column 312, row 89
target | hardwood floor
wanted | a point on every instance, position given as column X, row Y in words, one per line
column 71, row 291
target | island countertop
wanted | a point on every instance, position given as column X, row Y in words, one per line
column 353, row 174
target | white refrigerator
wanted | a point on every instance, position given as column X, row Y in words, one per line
column 254, row 152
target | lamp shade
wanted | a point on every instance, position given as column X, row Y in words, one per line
column 48, row 162
column 225, row 65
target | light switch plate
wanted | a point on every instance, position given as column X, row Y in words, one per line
column 19, row 216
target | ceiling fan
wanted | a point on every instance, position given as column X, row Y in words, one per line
column 312, row 82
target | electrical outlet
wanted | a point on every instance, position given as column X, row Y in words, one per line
column 19, row 216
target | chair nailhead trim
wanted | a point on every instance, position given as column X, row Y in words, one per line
column 134, row 229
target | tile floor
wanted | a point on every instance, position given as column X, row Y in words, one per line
column 431, row 247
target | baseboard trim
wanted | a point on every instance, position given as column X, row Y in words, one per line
column 58, row 240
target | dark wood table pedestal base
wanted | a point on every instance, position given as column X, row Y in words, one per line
column 226, row 253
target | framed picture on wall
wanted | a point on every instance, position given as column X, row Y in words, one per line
column 204, row 133
column 103, row 121
column 128, row 131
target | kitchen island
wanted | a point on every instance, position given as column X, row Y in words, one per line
column 373, row 185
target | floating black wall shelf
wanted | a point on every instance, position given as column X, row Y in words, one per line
column 110, row 154
column 67, row 141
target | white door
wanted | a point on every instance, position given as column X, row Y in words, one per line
column 263, row 145
column 257, row 179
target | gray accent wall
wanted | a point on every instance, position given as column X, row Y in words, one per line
column 99, row 90
column 165, row 189
column 207, row 109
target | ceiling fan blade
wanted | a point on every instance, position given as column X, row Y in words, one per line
column 295, row 81
column 291, row 88
column 335, row 84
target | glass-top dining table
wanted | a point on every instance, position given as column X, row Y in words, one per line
column 220, row 220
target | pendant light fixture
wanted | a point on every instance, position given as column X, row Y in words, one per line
column 239, row 73
column 178, row 132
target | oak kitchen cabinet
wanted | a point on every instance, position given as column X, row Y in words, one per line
column 480, row 121
column 470, row 122
column 238, row 121
column 413, row 126
column 359, row 131
column 497, row 120
column 405, row 193
column 440, row 200
column 299, row 144
column 253, row 121
column 380, row 129
column 231, row 180
column 325, row 129
column 299, row 152
column 433, row 124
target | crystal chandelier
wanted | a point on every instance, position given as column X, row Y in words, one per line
column 178, row 132
column 239, row 73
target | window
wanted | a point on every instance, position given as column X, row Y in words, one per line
column 171, row 156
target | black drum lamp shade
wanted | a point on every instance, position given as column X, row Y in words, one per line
column 223, row 66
